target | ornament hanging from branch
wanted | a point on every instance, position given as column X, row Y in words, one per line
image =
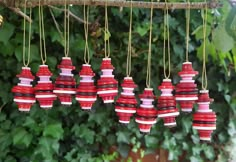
column 65, row 85
column 86, row 93
column 204, row 120
column 146, row 113
column 24, row 94
column 166, row 102
column 186, row 91
column 126, row 104
column 107, row 86
column 44, row 87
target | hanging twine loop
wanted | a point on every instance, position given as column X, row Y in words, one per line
column 129, row 54
column 106, row 34
column 148, row 77
column 66, row 29
column 86, row 26
column 204, row 71
column 42, row 44
column 166, row 30
column 26, row 62
column 187, row 30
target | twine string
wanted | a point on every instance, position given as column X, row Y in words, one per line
column 187, row 30
column 26, row 61
column 43, row 52
column 204, row 70
column 86, row 26
column 129, row 54
column 166, row 30
column 106, row 34
column 148, row 77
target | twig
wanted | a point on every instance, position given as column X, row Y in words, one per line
column 2, row 106
column 22, row 14
column 56, row 24
column 70, row 13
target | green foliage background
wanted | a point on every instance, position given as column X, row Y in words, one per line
column 69, row 134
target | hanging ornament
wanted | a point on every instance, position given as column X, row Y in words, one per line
column 166, row 102
column 65, row 85
column 204, row 120
column 24, row 95
column 146, row 113
column 44, row 87
column 107, row 86
column 86, row 93
column 126, row 104
column 24, row 92
column 186, row 91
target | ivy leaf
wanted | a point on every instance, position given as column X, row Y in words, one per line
column 6, row 32
column 209, row 152
column 222, row 41
column 54, row 130
column 84, row 132
column 151, row 141
column 141, row 30
column 22, row 137
column 123, row 137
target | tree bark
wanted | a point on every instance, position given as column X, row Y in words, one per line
column 115, row 3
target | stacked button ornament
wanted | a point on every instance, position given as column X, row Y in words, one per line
column 186, row 91
column 126, row 104
column 107, row 86
column 86, row 93
column 24, row 92
column 44, row 88
column 65, row 85
column 204, row 120
column 167, row 104
column 146, row 114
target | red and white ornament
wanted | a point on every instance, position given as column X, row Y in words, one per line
column 204, row 120
column 44, row 88
column 65, row 85
column 24, row 92
column 166, row 104
column 126, row 104
column 146, row 114
column 107, row 86
column 86, row 93
column 186, row 91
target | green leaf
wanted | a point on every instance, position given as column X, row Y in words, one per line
column 84, row 132
column 151, row 141
column 6, row 32
column 141, row 30
column 107, row 35
column 123, row 137
column 222, row 41
column 54, row 130
column 209, row 152
column 22, row 137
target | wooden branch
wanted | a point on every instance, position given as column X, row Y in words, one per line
column 116, row 3
column 22, row 14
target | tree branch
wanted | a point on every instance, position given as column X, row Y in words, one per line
column 22, row 14
column 116, row 3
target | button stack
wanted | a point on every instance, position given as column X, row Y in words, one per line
column 65, row 85
column 186, row 91
column 107, row 86
column 204, row 120
column 44, row 88
column 86, row 93
column 24, row 92
column 146, row 114
column 167, row 104
column 126, row 104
